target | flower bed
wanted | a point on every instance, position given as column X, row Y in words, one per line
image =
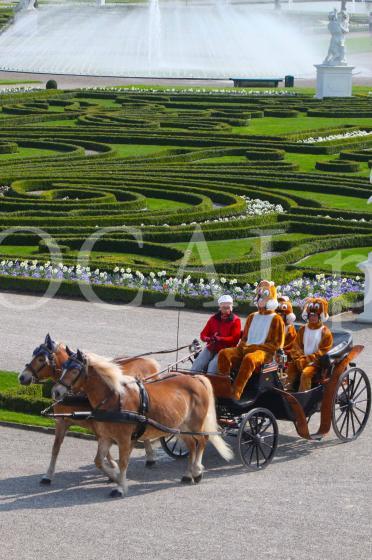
column 343, row 136
column 297, row 290
column 255, row 207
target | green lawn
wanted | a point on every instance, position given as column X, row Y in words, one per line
column 333, row 200
column 344, row 260
column 18, row 82
column 134, row 150
column 278, row 126
column 109, row 258
column 59, row 122
column 219, row 250
column 19, row 250
column 28, row 419
column 8, row 379
column 230, row 249
column 29, row 152
column 165, row 204
column 306, row 162
column 34, row 420
column 100, row 102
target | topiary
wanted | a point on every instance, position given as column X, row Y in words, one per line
column 51, row 84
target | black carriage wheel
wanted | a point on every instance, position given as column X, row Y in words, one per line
column 174, row 447
column 351, row 404
column 258, row 438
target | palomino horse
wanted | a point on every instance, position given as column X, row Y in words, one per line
column 46, row 363
column 178, row 401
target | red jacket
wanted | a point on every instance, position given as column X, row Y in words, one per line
column 228, row 331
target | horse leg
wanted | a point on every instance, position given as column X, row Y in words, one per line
column 150, row 455
column 111, row 461
column 125, row 449
column 197, row 467
column 60, row 432
column 191, row 445
column 102, row 451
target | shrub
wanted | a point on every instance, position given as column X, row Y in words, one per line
column 51, row 84
column 28, row 400
column 338, row 166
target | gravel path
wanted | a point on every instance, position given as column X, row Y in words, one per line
column 312, row 502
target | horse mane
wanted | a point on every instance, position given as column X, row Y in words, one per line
column 109, row 371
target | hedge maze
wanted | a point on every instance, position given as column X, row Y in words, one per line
column 168, row 162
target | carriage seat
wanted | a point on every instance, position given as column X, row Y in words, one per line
column 342, row 344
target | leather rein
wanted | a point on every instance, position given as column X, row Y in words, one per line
column 43, row 350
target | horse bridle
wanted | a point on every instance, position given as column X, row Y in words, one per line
column 72, row 363
column 42, row 350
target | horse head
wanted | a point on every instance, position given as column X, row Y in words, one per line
column 74, row 371
column 45, row 362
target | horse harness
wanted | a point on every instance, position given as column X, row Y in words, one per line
column 42, row 350
column 122, row 416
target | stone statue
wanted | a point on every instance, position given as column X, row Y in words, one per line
column 338, row 26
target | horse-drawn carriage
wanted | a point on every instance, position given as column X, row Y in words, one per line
column 341, row 393
column 185, row 411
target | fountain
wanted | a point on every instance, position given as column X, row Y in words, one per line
column 211, row 39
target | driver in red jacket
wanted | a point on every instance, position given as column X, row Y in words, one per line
column 222, row 330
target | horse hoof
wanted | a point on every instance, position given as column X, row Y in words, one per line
column 187, row 480
column 116, row 493
column 198, row 478
column 150, row 464
column 45, row 480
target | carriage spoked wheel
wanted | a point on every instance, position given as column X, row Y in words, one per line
column 174, row 447
column 351, row 404
column 258, row 438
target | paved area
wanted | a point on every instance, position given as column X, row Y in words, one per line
column 312, row 502
column 72, row 81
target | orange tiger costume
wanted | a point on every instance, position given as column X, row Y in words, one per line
column 263, row 335
column 313, row 340
column 285, row 310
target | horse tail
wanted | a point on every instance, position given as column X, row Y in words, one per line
column 210, row 424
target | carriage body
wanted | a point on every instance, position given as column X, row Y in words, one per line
column 341, row 394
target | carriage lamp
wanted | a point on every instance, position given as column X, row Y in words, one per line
column 281, row 358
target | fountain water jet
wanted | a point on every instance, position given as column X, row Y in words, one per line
column 160, row 39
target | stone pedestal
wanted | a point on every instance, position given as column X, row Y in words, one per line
column 333, row 81
column 366, row 267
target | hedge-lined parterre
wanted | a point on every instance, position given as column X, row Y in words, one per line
column 177, row 166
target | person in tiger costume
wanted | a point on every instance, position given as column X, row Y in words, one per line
column 263, row 335
column 285, row 310
column 313, row 340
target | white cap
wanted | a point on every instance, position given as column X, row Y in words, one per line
column 225, row 299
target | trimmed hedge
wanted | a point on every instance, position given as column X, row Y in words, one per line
column 265, row 154
column 338, row 166
column 80, row 193
column 28, row 400
column 8, row 148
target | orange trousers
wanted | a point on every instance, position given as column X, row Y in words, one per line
column 247, row 359
column 307, row 374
